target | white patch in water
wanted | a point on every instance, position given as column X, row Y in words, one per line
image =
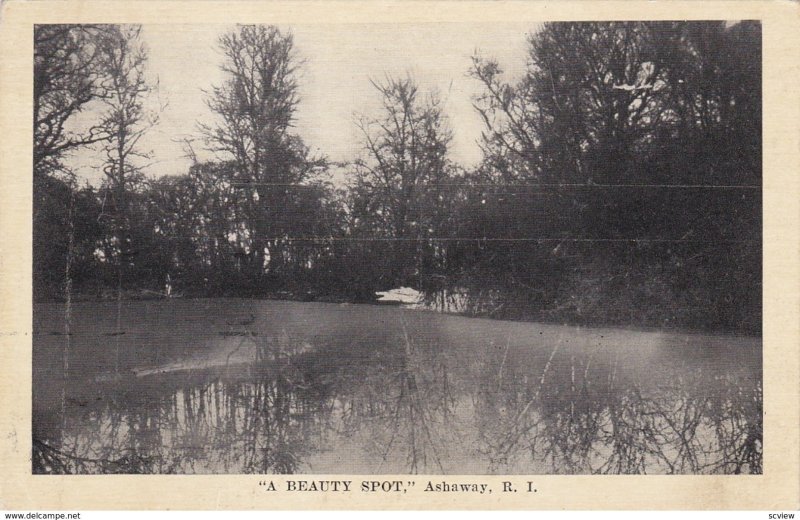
column 230, row 352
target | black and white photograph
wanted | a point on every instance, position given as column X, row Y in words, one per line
column 466, row 248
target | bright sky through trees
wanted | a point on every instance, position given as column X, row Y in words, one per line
column 338, row 63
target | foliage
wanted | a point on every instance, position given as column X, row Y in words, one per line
column 620, row 181
column 401, row 182
column 255, row 109
column 623, row 144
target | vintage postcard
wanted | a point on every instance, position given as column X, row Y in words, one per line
column 399, row 255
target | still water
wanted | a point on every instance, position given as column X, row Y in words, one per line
column 241, row 386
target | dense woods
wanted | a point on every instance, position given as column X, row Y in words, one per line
column 620, row 181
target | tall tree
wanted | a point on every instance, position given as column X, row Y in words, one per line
column 255, row 109
column 405, row 166
column 69, row 76
column 126, row 118
column 632, row 147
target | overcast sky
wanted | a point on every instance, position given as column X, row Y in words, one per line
column 339, row 61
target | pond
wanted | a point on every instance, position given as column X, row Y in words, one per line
column 248, row 386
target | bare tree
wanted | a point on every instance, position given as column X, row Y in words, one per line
column 69, row 73
column 126, row 118
column 255, row 108
column 404, row 167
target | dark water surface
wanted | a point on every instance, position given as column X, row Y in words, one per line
column 245, row 386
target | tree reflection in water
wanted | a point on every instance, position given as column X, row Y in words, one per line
column 415, row 406
column 584, row 415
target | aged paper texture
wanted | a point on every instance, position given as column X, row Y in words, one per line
column 515, row 262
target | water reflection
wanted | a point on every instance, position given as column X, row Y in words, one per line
column 585, row 417
column 414, row 404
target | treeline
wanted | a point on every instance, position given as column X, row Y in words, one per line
column 620, row 181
